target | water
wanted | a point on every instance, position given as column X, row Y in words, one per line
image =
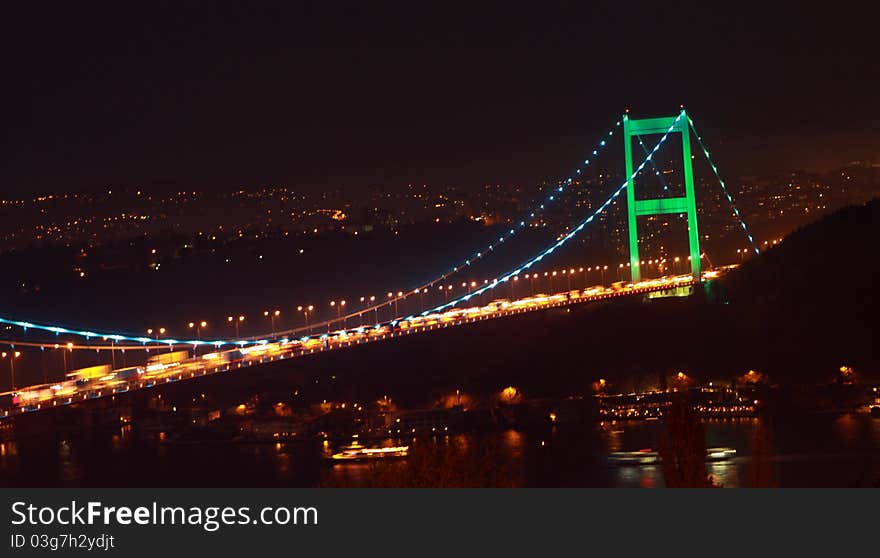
column 813, row 450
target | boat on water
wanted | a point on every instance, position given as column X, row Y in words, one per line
column 645, row 456
column 649, row 456
column 358, row 452
column 720, row 454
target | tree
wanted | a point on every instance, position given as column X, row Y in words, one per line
column 761, row 448
column 683, row 448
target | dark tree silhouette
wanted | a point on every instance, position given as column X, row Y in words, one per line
column 761, row 473
column 683, row 448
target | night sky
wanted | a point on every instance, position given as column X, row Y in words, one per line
column 348, row 97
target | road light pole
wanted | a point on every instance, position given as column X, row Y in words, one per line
column 198, row 327
column 390, row 296
column 338, row 313
column 232, row 319
column 12, row 356
column 64, row 355
column 15, row 355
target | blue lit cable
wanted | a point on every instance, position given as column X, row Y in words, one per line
column 742, row 222
column 58, row 330
column 568, row 236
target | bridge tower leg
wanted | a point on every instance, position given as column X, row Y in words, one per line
column 686, row 204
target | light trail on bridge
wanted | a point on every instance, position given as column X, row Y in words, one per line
column 155, row 372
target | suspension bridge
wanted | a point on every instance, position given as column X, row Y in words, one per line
column 165, row 360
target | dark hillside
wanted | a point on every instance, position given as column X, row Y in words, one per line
column 813, row 300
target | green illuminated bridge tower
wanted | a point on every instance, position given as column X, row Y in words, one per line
column 686, row 204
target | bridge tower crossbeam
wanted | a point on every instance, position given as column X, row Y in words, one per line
column 657, row 206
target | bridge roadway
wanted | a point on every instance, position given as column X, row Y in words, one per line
column 46, row 396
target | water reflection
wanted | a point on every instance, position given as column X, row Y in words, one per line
column 462, row 441
column 874, row 430
column 8, row 458
column 8, row 449
column 724, row 473
column 644, row 476
column 848, row 428
column 70, row 470
column 282, row 462
column 513, row 443
column 815, row 451
column 614, row 439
